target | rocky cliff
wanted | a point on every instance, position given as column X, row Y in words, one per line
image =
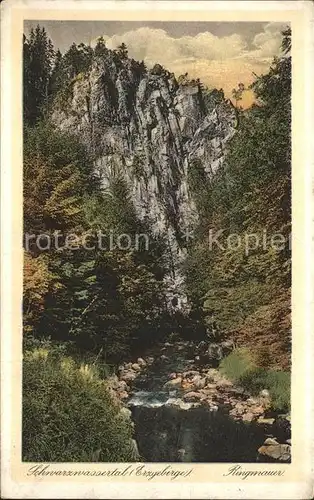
column 151, row 127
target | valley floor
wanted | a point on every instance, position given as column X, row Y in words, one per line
column 184, row 409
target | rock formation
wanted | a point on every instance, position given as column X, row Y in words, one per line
column 151, row 129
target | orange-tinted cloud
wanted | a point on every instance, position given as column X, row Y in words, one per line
column 219, row 62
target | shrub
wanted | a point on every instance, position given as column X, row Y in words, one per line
column 277, row 382
column 240, row 367
column 68, row 413
column 237, row 364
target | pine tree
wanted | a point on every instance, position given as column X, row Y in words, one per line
column 122, row 51
column 100, row 48
column 38, row 63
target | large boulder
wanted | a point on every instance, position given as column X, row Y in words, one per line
column 198, row 382
column 123, row 395
column 136, row 367
column 275, row 452
column 173, row 384
column 128, row 376
column 141, row 362
column 227, row 346
column 122, row 386
column 265, row 421
column 190, row 373
column 214, row 352
column 248, row 417
column 114, row 382
column 192, row 397
column 213, row 376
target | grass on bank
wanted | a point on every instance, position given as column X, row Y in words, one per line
column 239, row 366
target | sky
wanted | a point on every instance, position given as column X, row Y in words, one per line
column 220, row 54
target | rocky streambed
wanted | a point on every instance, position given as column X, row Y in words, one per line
column 185, row 410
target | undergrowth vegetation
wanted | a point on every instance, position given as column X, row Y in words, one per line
column 241, row 368
column 68, row 413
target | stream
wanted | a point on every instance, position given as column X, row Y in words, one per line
column 170, row 429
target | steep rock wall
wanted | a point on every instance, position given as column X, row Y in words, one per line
column 152, row 128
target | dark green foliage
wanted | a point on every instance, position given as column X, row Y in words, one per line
column 77, row 60
column 277, row 382
column 68, row 413
column 237, row 93
column 212, row 98
column 57, row 174
column 69, row 68
column 101, row 297
column 100, row 48
column 122, row 51
column 240, row 367
column 249, row 194
column 38, row 57
column 286, row 41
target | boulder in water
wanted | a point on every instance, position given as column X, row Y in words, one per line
column 265, row 421
column 123, row 395
column 198, row 382
column 213, row 375
column 190, row 373
column 141, row 362
column 270, row 441
column 128, row 376
column 191, row 397
column 186, row 385
column 121, row 385
column 275, row 452
column 136, row 367
column 175, row 383
column 248, row 417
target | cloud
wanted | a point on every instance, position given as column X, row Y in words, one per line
column 155, row 45
column 218, row 61
column 268, row 42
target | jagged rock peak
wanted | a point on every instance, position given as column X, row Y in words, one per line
column 151, row 126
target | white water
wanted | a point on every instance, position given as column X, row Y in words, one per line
column 150, row 399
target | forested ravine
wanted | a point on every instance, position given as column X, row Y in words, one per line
column 156, row 303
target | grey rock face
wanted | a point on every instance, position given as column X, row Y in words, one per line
column 151, row 129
